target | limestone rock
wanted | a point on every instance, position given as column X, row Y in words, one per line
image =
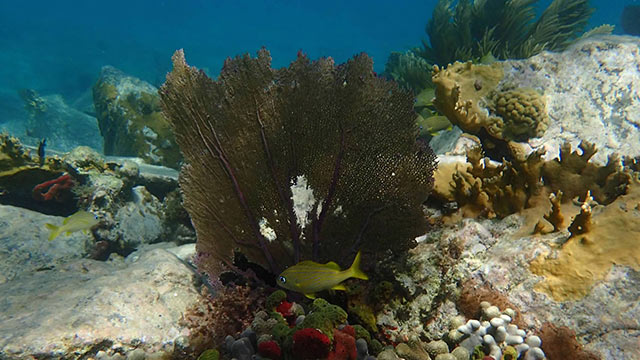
column 87, row 305
column 131, row 121
column 498, row 254
column 24, row 246
column 63, row 126
column 591, row 91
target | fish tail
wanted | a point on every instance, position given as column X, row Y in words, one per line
column 55, row 231
column 355, row 269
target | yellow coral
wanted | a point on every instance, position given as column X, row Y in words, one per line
column 522, row 114
column 571, row 271
column 470, row 97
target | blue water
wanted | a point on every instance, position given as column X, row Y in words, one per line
column 60, row 46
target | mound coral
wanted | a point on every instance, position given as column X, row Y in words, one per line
column 506, row 29
column 310, row 161
column 470, row 96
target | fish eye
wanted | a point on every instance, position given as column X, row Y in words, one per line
column 282, row 279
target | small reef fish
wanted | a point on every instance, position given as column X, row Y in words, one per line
column 41, row 146
column 309, row 277
column 82, row 220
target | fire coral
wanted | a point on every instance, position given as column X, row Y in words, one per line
column 314, row 161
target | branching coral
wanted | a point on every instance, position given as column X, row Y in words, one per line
column 487, row 188
column 497, row 189
column 575, row 175
column 310, row 161
column 472, row 29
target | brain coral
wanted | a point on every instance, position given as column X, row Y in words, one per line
column 471, row 97
column 522, row 114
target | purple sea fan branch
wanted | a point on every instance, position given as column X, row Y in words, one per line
column 347, row 133
column 293, row 226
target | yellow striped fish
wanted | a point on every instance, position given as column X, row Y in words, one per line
column 309, row 277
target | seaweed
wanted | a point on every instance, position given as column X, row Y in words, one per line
column 310, row 161
column 471, row 29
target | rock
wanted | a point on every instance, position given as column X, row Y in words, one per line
column 63, row 126
column 139, row 221
column 119, row 306
column 436, row 347
column 412, row 351
column 388, row 354
column 591, row 91
column 131, row 121
column 24, row 247
column 592, row 94
column 85, row 158
column 605, row 320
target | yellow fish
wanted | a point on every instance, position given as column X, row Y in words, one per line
column 309, row 277
column 82, row 220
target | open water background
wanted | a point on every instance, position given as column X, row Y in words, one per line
column 59, row 46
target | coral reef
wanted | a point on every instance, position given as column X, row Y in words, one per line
column 522, row 111
column 486, row 188
column 600, row 238
column 470, row 97
column 492, row 189
column 321, row 332
column 131, row 120
column 310, row 161
column 24, row 179
column 13, row 154
column 505, row 29
column 574, row 174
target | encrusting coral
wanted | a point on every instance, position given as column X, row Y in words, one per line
column 601, row 236
column 310, row 161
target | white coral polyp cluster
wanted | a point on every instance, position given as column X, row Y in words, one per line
column 496, row 332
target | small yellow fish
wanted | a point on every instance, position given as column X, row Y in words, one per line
column 309, row 277
column 82, row 220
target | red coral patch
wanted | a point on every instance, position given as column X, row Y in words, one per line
column 310, row 344
column 344, row 347
column 269, row 349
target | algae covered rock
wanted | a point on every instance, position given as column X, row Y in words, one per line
column 131, row 121
column 64, row 127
